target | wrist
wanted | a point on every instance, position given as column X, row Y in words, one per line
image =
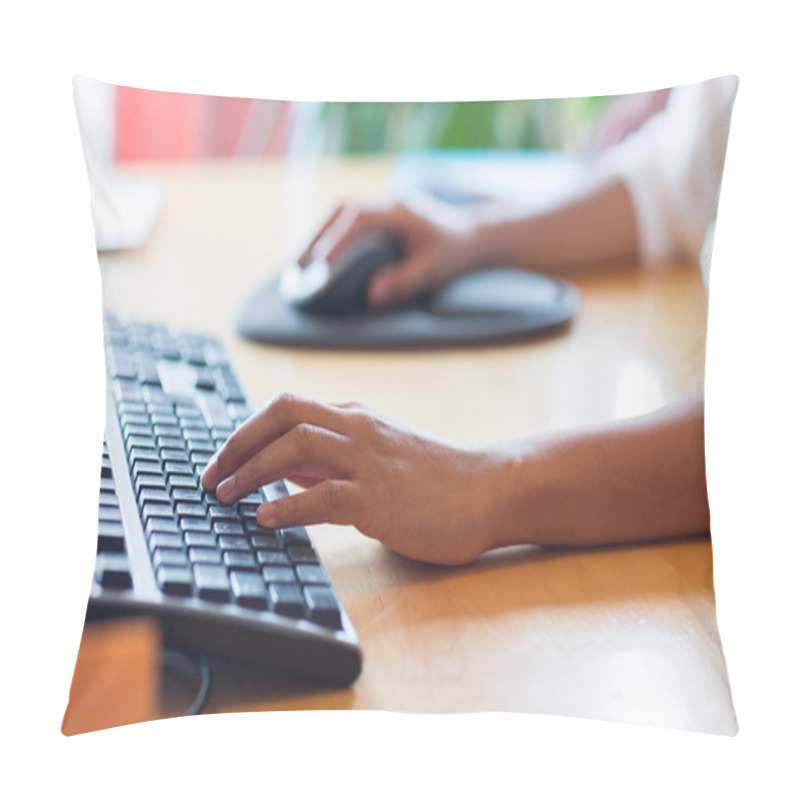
column 480, row 244
column 503, row 497
column 507, row 237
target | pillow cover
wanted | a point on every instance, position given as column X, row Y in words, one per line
column 195, row 200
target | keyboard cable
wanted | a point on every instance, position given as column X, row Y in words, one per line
column 190, row 667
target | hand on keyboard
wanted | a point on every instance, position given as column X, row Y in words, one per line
column 422, row 497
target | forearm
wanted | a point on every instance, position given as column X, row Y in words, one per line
column 628, row 481
column 594, row 226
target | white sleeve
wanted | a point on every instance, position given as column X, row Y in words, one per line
column 672, row 167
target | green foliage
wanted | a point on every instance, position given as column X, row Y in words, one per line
column 511, row 124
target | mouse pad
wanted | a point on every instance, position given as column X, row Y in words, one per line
column 491, row 305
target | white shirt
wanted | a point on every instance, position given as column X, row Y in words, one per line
column 672, row 167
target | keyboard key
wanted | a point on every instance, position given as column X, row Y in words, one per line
column 222, row 513
column 238, row 543
column 181, row 482
column 139, row 419
column 138, row 440
column 195, row 445
column 215, row 413
column 163, row 419
column 195, row 428
column 151, row 510
column 253, row 528
column 130, row 431
column 272, row 558
column 228, row 528
column 204, row 555
column 249, row 589
column 187, row 496
column 168, row 431
column 187, row 412
column 311, row 573
column 266, row 541
column 157, row 525
column 109, row 499
column 153, row 495
column 190, row 511
column 175, row 580
column 195, row 356
column 296, row 536
column 192, row 524
column 322, row 606
column 143, row 454
column 229, row 387
column 256, row 498
column 109, row 514
column 279, row 574
column 146, row 468
column 112, row 571
column 205, row 379
column 149, row 482
column 170, row 558
column 302, row 555
column 234, row 559
column 170, row 442
column 132, row 408
column 165, row 541
column 212, row 582
column 159, row 405
column 127, row 390
column 286, row 599
column 197, row 539
column 178, row 468
column 110, row 538
column 238, row 410
column 148, row 369
column 179, row 456
column 200, row 460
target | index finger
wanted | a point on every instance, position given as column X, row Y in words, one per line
column 285, row 412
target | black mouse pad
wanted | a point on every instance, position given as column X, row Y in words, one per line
column 491, row 305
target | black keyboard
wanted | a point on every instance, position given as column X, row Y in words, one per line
column 218, row 583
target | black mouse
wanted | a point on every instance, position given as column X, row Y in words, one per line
column 339, row 287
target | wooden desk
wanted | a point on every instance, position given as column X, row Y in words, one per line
column 625, row 634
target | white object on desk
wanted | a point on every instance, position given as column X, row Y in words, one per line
column 124, row 208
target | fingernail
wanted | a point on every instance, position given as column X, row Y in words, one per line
column 226, row 489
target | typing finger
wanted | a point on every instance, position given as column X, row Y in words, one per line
column 281, row 415
column 331, row 501
column 305, row 450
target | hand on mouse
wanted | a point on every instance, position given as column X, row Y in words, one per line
column 422, row 497
column 437, row 244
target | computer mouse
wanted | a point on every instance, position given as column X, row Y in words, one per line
column 339, row 287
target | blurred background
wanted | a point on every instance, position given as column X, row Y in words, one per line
column 129, row 124
column 458, row 152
